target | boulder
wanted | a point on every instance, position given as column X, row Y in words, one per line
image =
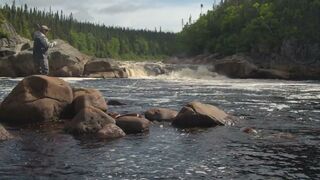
column 88, row 97
column 98, row 65
column 196, row 114
column 66, row 61
column 36, row 98
column 160, row 114
column 104, row 68
column 133, row 124
column 89, row 120
column 110, row 131
column 4, row 134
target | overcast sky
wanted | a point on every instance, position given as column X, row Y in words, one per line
column 138, row 14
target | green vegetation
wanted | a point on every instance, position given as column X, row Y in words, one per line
column 92, row 39
column 260, row 26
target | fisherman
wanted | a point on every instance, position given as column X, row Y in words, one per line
column 40, row 49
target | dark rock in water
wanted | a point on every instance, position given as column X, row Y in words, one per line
column 235, row 67
column 36, row 98
column 133, row 125
column 249, row 130
column 4, row 134
column 110, row 131
column 113, row 102
column 89, row 120
column 88, row 97
column 160, row 114
column 196, row 114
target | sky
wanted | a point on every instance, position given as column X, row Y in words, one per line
column 136, row 14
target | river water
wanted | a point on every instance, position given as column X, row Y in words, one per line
column 285, row 113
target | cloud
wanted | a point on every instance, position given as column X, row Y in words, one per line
column 138, row 14
column 122, row 8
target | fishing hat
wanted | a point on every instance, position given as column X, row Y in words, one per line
column 44, row 27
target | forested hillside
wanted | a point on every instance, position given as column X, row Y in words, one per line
column 92, row 39
column 260, row 26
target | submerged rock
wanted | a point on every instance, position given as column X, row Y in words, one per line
column 89, row 120
column 36, row 98
column 249, row 130
column 160, row 114
column 111, row 131
column 113, row 102
column 133, row 124
column 196, row 114
column 4, row 134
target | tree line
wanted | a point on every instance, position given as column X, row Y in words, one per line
column 237, row 26
column 92, row 39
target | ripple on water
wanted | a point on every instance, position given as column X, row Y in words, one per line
column 272, row 107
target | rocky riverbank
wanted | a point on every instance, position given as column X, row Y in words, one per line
column 287, row 65
column 64, row 60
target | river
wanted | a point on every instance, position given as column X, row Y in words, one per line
column 285, row 114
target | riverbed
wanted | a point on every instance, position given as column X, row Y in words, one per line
column 285, row 114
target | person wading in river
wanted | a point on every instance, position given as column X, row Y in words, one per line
column 40, row 50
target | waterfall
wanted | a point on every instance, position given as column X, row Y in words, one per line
column 168, row 71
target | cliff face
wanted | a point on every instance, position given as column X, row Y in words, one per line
column 300, row 59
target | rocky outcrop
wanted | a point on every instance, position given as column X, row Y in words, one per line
column 89, row 120
column 104, row 68
column 36, row 98
column 64, row 61
column 4, row 134
column 160, row 114
column 133, row 124
column 196, row 114
column 235, row 67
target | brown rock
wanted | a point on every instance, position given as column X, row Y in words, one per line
column 196, row 114
column 36, row 98
column 4, row 134
column 98, row 65
column 160, row 114
column 132, row 124
column 88, row 97
column 110, row 131
column 89, row 120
